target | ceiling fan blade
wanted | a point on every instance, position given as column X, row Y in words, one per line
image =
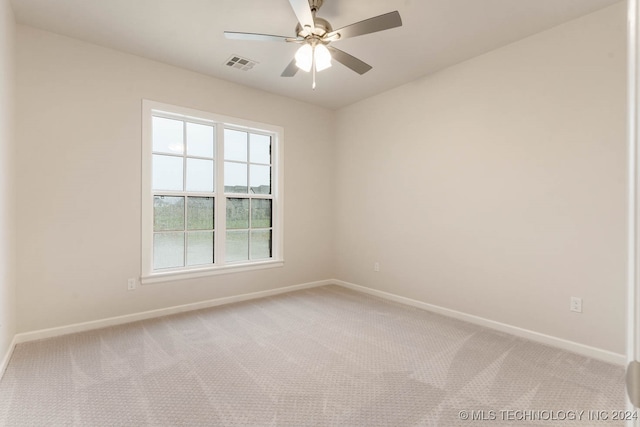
column 371, row 25
column 303, row 12
column 291, row 69
column 255, row 37
column 349, row 61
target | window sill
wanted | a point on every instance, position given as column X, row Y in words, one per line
column 170, row 276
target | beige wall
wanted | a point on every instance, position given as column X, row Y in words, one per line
column 7, row 205
column 497, row 187
column 79, row 172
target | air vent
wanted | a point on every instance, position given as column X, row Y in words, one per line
column 240, row 63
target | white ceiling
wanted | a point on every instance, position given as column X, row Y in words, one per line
column 189, row 34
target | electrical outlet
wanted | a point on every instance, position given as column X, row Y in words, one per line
column 131, row 284
column 576, row 304
column 376, row 266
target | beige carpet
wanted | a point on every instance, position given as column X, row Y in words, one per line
column 323, row 357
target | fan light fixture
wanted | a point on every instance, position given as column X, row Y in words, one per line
column 322, row 57
column 304, row 57
column 313, row 56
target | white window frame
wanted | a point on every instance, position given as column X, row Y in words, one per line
column 148, row 275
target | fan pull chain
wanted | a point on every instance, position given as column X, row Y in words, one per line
column 313, row 67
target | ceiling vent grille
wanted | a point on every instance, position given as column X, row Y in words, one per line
column 240, row 63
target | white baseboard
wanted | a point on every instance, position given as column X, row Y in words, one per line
column 119, row 320
column 574, row 347
column 7, row 357
column 584, row 350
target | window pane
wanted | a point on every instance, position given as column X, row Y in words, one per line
column 237, row 213
column 260, row 149
column 200, row 213
column 200, row 248
column 168, row 135
column 199, row 140
column 168, row 250
column 260, row 179
column 167, row 173
column 168, row 213
column 199, row 175
column 235, row 145
column 237, row 246
column 260, row 244
column 235, row 178
column 260, row 213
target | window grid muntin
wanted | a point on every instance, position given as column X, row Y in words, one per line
column 251, row 228
column 185, row 231
column 250, row 132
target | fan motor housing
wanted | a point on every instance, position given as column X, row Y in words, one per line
column 322, row 27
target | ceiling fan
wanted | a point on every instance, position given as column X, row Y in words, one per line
column 316, row 34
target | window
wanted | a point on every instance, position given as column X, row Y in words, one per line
column 212, row 198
